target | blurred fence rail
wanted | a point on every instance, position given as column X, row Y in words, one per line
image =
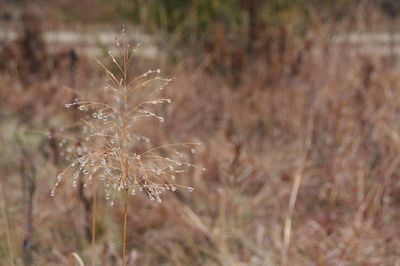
column 376, row 43
column 90, row 43
column 94, row 43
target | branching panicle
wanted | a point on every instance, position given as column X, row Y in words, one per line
column 113, row 149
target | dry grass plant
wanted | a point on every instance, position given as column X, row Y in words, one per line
column 113, row 149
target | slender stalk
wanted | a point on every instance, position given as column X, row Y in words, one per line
column 125, row 219
column 94, row 222
column 295, row 189
column 4, row 213
column 125, row 164
column 289, row 218
column 75, row 256
column 70, row 260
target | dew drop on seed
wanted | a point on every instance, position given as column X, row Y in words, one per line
column 192, row 150
column 74, row 183
column 158, row 70
column 190, row 189
column 112, row 203
column 79, row 151
column 52, row 193
column 68, row 105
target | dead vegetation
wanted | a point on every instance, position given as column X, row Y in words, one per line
column 301, row 148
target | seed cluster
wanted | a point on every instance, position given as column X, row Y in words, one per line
column 113, row 149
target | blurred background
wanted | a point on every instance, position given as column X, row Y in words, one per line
column 296, row 102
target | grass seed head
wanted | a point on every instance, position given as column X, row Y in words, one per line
column 114, row 149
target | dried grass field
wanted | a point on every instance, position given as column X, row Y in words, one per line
column 299, row 133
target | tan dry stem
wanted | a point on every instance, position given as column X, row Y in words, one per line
column 4, row 214
column 125, row 220
column 94, row 223
column 75, row 256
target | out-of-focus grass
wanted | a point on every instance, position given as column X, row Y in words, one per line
column 253, row 133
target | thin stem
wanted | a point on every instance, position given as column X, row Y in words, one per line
column 124, row 164
column 289, row 218
column 295, row 189
column 94, row 223
column 4, row 213
column 125, row 219
column 75, row 256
